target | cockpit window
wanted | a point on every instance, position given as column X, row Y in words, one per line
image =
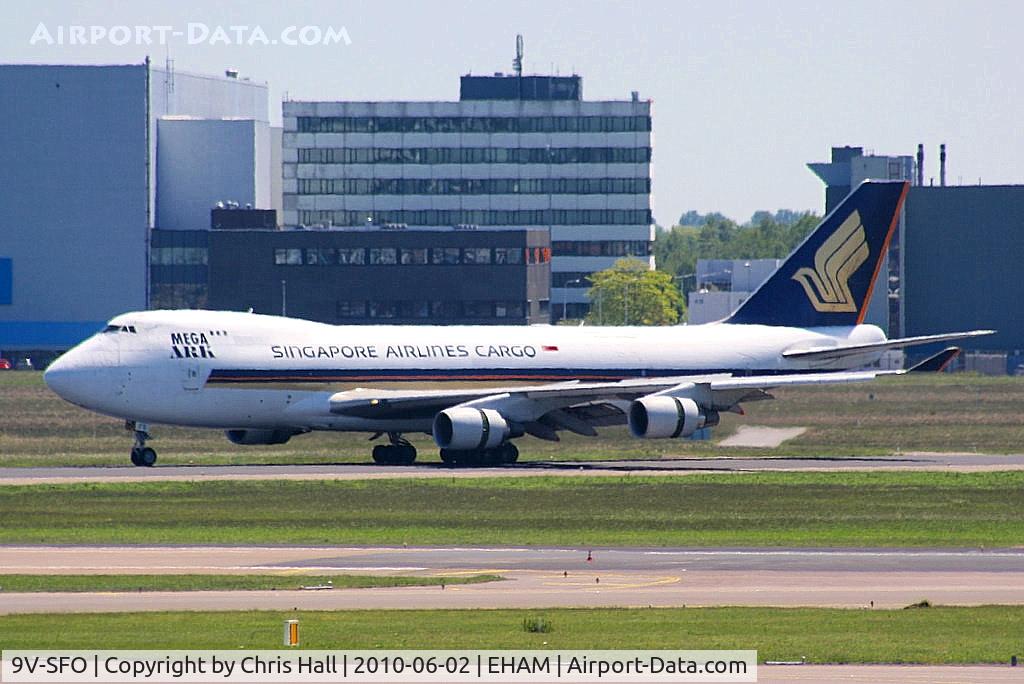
column 119, row 329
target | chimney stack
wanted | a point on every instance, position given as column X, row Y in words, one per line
column 942, row 165
column 920, row 164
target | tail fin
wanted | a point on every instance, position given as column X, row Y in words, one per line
column 828, row 279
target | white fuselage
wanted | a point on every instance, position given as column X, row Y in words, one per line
column 236, row 370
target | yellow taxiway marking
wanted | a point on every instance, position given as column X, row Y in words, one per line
column 614, row 582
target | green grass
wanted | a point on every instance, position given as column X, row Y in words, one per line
column 936, row 412
column 75, row 583
column 986, row 634
column 757, row 509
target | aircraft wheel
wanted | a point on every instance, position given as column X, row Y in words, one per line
column 490, row 457
column 448, row 457
column 406, row 454
column 146, row 457
column 509, row 453
column 135, row 456
column 381, row 454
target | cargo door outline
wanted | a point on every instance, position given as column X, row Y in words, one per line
column 192, row 379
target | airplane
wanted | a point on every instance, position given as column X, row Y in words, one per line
column 265, row 379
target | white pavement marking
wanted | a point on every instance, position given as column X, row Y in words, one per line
column 759, row 436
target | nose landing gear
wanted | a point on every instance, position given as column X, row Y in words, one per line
column 141, row 454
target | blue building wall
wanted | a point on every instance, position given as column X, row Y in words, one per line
column 73, row 198
column 6, row 281
column 963, row 247
column 78, row 188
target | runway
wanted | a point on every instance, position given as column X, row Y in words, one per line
column 949, row 462
column 537, row 578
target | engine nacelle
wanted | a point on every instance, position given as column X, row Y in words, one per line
column 469, row 428
column 250, row 437
column 664, row 416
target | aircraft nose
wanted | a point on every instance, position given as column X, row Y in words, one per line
column 59, row 376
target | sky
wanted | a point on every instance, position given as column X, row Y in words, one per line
column 744, row 93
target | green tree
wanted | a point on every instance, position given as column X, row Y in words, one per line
column 766, row 236
column 629, row 293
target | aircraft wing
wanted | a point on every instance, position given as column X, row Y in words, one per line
column 828, row 353
column 577, row 406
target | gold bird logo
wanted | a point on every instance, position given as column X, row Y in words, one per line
column 838, row 258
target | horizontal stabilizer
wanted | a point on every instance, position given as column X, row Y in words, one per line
column 818, row 353
column 937, row 362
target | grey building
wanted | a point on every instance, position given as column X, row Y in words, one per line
column 513, row 152
column 394, row 275
column 83, row 148
column 849, row 168
column 721, row 285
column 958, row 252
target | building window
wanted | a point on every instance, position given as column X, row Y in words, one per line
column 178, row 256
column 383, row 256
column 509, row 309
column 354, row 256
column 454, row 155
column 178, row 296
column 475, row 309
column 472, row 124
column 448, row 256
column 486, row 217
column 288, row 257
column 613, row 248
column 351, row 309
column 445, row 309
column 538, row 255
column 473, row 186
column 476, row 255
column 383, row 309
column 413, row 255
column 508, row 255
column 414, row 309
column 570, row 279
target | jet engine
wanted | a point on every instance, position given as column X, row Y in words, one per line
column 665, row 416
column 470, row 429
column 249, row 437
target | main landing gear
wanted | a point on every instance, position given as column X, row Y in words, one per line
column 505, row 454
column 399, row 452
column 142, row 455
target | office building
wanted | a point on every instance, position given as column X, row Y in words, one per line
column 514, row 152
column 365, row 275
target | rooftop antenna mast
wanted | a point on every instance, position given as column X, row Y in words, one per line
column 517, row 63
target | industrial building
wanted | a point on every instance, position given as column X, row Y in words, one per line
column 96, row 156
column 525, row 152
column 958, row 252
column 721, row 285
column 364, row 275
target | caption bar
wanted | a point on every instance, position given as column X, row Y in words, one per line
column 379, row 666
